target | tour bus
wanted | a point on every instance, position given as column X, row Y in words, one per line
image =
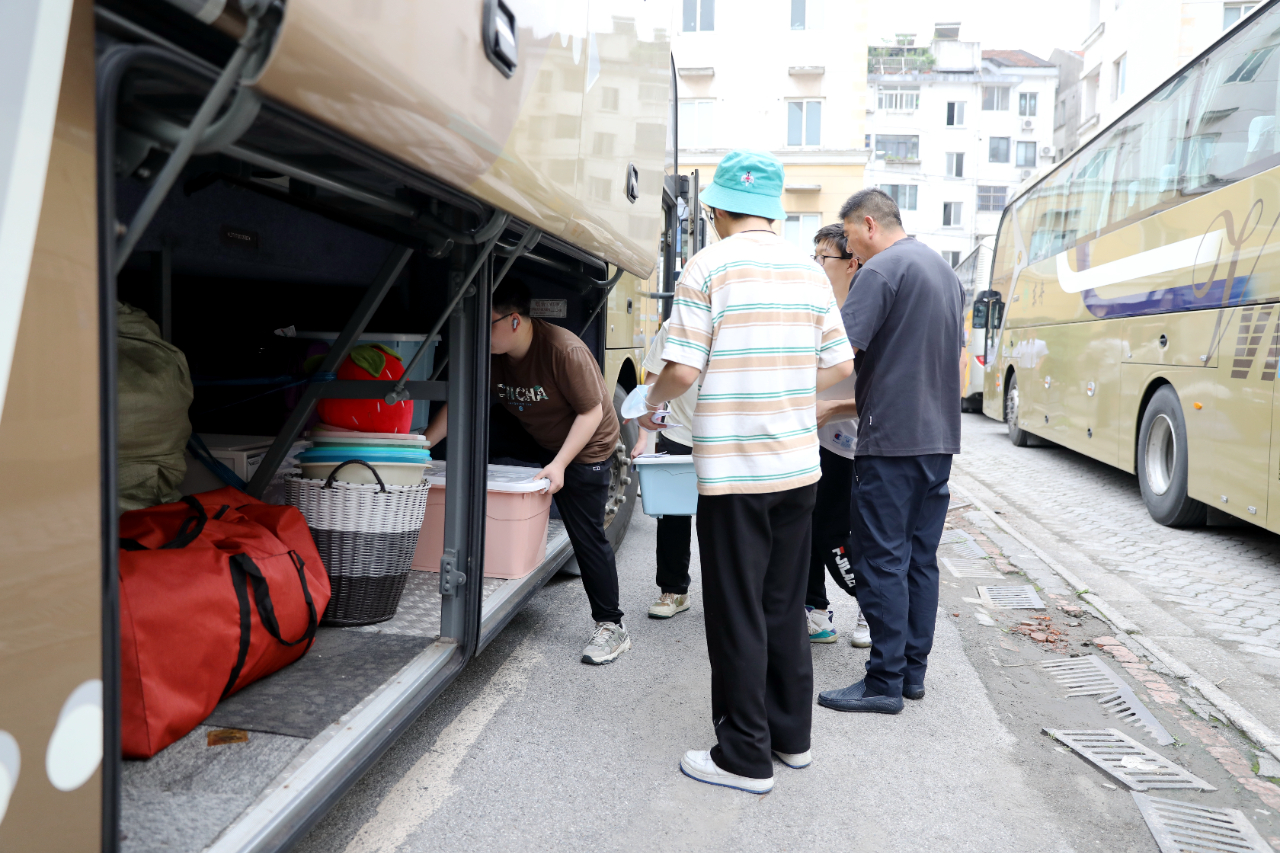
column 974, row 272
column 245, row 171
column 1132, row 309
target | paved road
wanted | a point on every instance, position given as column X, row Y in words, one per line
column 531, row 750
column 1209, row 595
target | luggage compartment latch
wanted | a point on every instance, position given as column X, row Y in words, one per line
column 450, row 577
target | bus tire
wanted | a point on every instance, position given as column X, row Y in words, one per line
column 1017, row 436
column 623, row 485
column 1162, row 463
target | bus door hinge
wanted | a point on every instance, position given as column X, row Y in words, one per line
column 450, row 577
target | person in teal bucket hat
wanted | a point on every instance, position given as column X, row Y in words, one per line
column 754, row 320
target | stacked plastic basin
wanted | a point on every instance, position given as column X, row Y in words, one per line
column 400, row 459
column 517, row 509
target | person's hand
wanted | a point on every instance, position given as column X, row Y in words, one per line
column 646, row 421
column 825, row 408
column 555, row 473
column 639, row 449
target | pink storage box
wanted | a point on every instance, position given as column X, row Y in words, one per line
column 515, row 538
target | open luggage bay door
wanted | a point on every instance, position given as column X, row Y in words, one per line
column 51, row 509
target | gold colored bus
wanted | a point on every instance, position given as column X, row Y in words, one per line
column 239, row 169
column 1133, row 300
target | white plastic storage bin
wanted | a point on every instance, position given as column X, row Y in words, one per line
column 242, row 454
column 668, row 485
column 515, row 537
column 404, row 346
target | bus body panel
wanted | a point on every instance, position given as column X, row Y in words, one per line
column 412, row 80
column 50, row 507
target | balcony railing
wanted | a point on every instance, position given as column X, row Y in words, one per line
column 899, row 60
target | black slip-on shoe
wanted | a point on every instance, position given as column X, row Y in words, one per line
column 854, row 698
column 915, row 692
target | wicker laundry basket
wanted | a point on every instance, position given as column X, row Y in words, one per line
column 366, row 535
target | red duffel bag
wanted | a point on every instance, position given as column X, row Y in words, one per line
column 216, row 591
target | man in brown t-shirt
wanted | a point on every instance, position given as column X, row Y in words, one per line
column 547, row 378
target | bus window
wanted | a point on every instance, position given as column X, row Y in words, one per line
column 1232, row 131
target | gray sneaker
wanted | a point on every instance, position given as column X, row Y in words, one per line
column 608, row 641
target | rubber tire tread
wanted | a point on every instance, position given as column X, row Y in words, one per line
column 1175, row 508
column 1018, row 437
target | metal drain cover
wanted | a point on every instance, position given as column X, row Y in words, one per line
column 962, row 544
column 1011, row 597
column 1090, row 676
column 1124, row 758
column 1189, row 828
column 962, row 568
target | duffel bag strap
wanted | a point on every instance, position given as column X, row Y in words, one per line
column 242, row 568
column 192, row 525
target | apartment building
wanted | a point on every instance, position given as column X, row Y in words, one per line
column 953, row 129
column 789, row 78
column 1133, row 46
column 1066, row 110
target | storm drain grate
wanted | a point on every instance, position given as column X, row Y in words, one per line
column 1127, row 760
column 962, row 568
column 1011, row 597
column 1090, row 676
column 952, row 536
column 1189, row 828
column 963, row 545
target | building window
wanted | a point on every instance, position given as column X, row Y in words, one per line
column 1233, row 12
column 952, row 257
column 1027, row 104
column 805, row 14
column 1117, row 78
column 955, row 164
column 609, row 99
column 602, row 145
column 991, row 199
column 653, row 92
column 800, row 228
column 699, row 15
column 1251, row 66
column 600, row 188
column 897, row 147
column 804, row 122
column 955, row 113
column 899, row 98
column 998, row 149
column 695, row 124
column 951, row 214
column 1026, row 155
column 903, row 195
column 567, row 126
column 1060, row 114
column 995, row 97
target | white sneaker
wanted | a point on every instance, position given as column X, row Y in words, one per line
column 822, row 627
column 795, row 760
column 861, row 638
column 668, row 605
column 608, row 641
column 697, row 764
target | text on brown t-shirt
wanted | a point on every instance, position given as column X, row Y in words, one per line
column 557, row 380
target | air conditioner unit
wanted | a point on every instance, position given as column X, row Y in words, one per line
column 1026, row 173
column 1046, row 151
column 1028, row 124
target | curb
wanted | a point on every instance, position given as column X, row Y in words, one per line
column 1234, row 712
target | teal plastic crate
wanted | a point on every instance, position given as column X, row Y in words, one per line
column 668, row 485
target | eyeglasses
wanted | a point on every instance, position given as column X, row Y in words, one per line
column 819, row 258
column 503, row 317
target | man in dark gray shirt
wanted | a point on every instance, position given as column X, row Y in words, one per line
column 904, row 320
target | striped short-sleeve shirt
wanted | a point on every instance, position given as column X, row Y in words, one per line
column 758, row 318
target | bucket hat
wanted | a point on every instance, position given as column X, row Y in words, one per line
column 747, row 182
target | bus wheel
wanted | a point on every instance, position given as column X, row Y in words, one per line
column 623, row 484
column 1162, row 463
column 1020, row 437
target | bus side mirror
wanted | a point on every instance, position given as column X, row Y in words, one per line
column 997, row 313
column 980, row 307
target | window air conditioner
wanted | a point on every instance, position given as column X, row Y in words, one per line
column 1046, row 151
column 1028, row 124
column 1026, row 173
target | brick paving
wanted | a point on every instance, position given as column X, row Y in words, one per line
column 1221, row 581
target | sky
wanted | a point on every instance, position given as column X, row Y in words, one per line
column 997, row 24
